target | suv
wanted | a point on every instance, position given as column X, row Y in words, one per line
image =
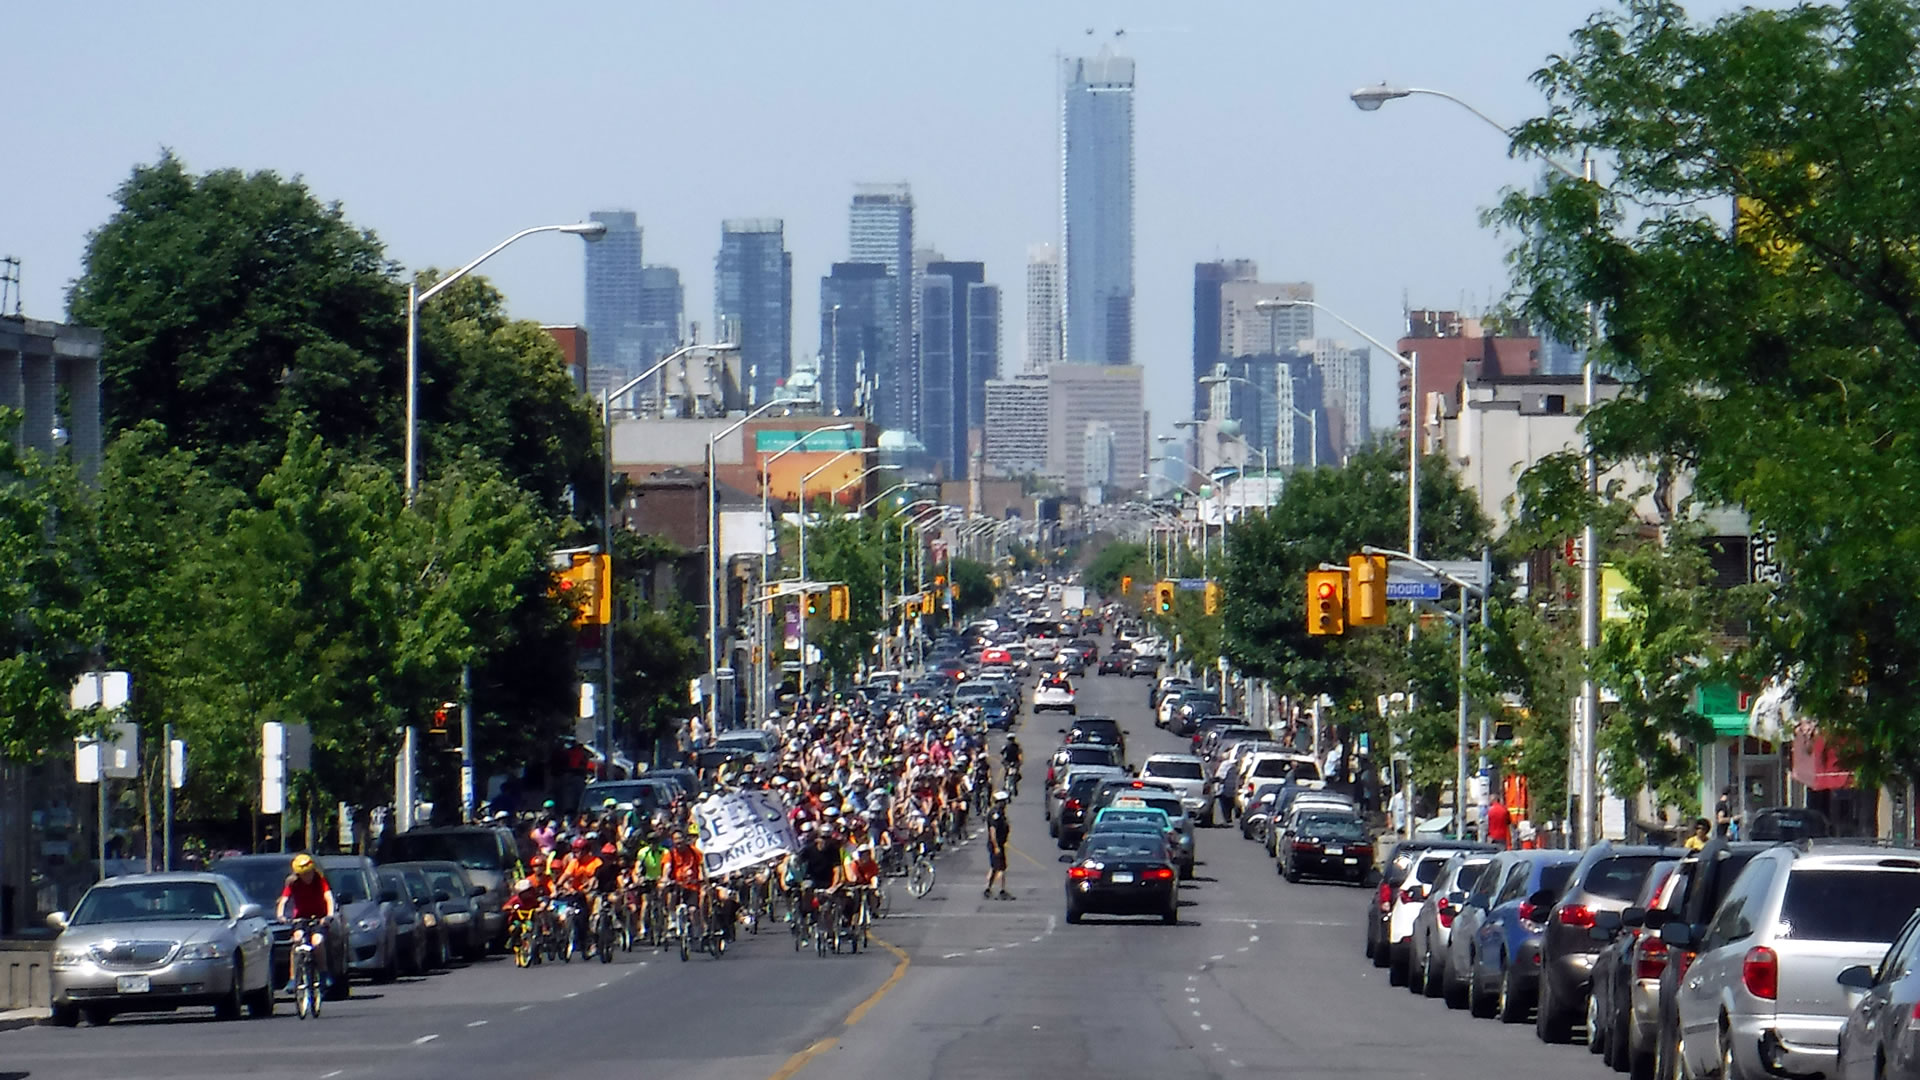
column 1187, row 775
column 1053, row 694
column 1763, row 996
column 1392, row 872
column 1103, row 730
column 1607, row 879
column 1699, row 883
column 1496, row 939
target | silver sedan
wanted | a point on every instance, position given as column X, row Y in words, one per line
column 156, row 942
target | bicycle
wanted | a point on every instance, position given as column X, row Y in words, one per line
column 1013, row 783
column 604, row 929
column 306, row 972
column 920, row 874
column 523, row 938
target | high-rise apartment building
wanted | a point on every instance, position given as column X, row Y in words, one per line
column 1207, row 280
column 753, row 299
column 1096, row 202
column 663, row 305
column 880, row 231
column 1044, row 299
column 1346, row 382
column 1298, row 414
column 858, row 332
column 1014, row 439
column 1083, row 398
column 615, row 340
column 959, row 351
column 1245, row 330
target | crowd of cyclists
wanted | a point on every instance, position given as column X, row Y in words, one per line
column 873, row 787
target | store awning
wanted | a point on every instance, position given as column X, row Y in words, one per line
column 1816, row 765
column 1725, row 706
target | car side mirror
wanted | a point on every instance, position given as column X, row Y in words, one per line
column 252, row 911
column 1607, row 922
column 1857, row 977
column 1633, row 916
column 1066, row 858
column 57, row 920
column 1656, row 918
column 1677, row 934
column 441, row 897
column 389, row 896
column 478, row 890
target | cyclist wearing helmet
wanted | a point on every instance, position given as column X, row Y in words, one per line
column 307, row 895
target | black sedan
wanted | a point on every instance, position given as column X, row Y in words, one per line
column 1117, row 662
column 1327, row 846
column 1122, row 873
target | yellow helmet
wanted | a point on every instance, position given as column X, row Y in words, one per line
column 302, row 863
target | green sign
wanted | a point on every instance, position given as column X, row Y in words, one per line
column 831, row 442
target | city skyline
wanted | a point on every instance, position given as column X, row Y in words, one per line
column 429, row 160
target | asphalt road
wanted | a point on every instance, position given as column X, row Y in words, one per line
column 1260, row 978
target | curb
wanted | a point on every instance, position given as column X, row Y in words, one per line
column 19, row 1018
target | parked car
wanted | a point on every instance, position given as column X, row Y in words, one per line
column 1074, row 795
column 1186, row 774
column 1763, row 997
column 1116, row 662
column 1433, row 926
column 1699, row 883
column 1626, row 976
column 1326, row 845
column 1143, row 664
column 1497, row 955
column 158, row 942
column 410, row 933
column 465, row 936
column 1405, row 907
column 1380, row 902
column 1880, row 1038
column 487, row 853
column 1606, row 879
column 373, row 934
column 261, row 878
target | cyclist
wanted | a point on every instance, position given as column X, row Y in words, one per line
column 685, row 872
column 649, row 866
column 821, row 871
column 307, row 895
column 603, row 887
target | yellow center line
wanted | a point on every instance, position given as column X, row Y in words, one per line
column 799, row 1061
column 1024, row 855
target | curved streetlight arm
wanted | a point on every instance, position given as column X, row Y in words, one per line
column 1370, row 98
column 592, row 230
column 870, row 503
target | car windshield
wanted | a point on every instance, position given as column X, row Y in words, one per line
column 1274, row 767
column 473, row 850
column 640, row 794
column 349, row 884
column 1342, row 828
column 260, row 880
column 448, row 882
column 1165, row 804
column 757, row 741
column 168, row 901
column 1123, row 848
column 1088, row 755
column 1848, row 905
column 1620, row 877
column 1554, row 878
column 1174, row 770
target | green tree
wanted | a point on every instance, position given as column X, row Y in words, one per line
column 1115, row 560
column 1771, row 363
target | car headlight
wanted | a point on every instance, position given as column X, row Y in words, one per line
column 367, row 926
column 200, row 950
column 428, row 919
column 68, row 959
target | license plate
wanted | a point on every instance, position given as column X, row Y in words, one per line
column 132, row 984
column 1123, row 879
column 1353, row 862
column 1334, row 849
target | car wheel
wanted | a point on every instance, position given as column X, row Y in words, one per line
column 391, row 970
column 1512, row 1009
column 1367, row 951
column 1479, row 1003
column 228, row 1007
column 1433, row 975
column 1397, row 960
column 1550, row 1021
column 1597, row 1042
column 1729, row 1068
column 1639, row 1059
column 260, row 1002
column 65, row 1016
column 1207, row 822
column 98, row 1015
column 1416, row 970
column 1453, row 990
column 1171, row 917
column 1073, row 915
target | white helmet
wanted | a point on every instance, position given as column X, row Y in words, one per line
column 999, row 796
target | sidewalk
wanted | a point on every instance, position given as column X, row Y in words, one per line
column 19, row 1018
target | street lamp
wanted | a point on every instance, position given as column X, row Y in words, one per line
column 766, row 482
column 1369, row 99
column 869, row 504
column 850, row 451
column 1266, row 469
column 869, row 471
column 416, row 299
column 1312, row 417
column 1410, row 361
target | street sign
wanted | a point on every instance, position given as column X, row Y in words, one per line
column 1401, row 589
column 1190, row 584
column 1467, row 570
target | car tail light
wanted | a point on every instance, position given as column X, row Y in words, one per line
column 1530, row 915
column 1385, row 898
column 1159, row 873
column 1071, row 804
column 1407, row 896
column 1578, row 915
column 1082, row 872
column 1760, row 972
column 1682, row 961
column 1444, row 912
column 1649, row 957
column 1309, row 845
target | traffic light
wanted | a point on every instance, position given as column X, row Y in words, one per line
column 1126, row 584
column 583, row 588
column 1326, row 602
column 929, row 603
column 813, row 604
column 1367, row 590
column 1163, row 597
column 839, row 603
column 1212, row 598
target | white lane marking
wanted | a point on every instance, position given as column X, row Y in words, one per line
column 424, row 1040
column 603, row 986
column 1254, row 938
column 1193, row 1001
column 331, row 1075
column 477, row 1023
column 1013, row 944
column 1206, row 1027
column 572, row 994
column 1218, row 956
column 1037, row 937
column 1242, row 948
column 951, row 955
column 1235, row 1064
column 523, row 1008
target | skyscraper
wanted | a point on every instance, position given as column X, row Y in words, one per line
column 663, row 305
column 857, row 335
column 615, row 344
column 1043, row 308
column 1207, row 279
column 880, row 231
column 1096, row 202
column 753, row 299
column 1346, row 379
column 1297, row 395
column 959, row 352
column 1245, row 330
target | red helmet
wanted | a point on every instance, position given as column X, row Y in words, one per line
column 606, row 849
column 579, row 843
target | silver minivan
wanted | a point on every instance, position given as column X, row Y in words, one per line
column 1762, row 997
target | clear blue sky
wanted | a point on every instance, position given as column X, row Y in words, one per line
column 443, row 127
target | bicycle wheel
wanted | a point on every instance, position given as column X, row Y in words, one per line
column 522, row 948
column 882, row 899
column 302, row 1002
column 920, row 878
column 604, row 943
column 819, row 940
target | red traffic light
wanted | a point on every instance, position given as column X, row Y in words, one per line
column 1328, row 590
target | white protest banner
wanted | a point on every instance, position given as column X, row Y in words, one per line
column 743, row 830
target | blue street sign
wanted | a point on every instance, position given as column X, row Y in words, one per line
column 1413, row 590
column 1190, row 584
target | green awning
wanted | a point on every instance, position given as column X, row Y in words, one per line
column 1721, row 703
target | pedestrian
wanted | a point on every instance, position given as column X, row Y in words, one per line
column 1702, row 831
column 1499, row 824
column 998, row 829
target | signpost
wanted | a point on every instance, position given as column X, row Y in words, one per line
column 113, row 753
